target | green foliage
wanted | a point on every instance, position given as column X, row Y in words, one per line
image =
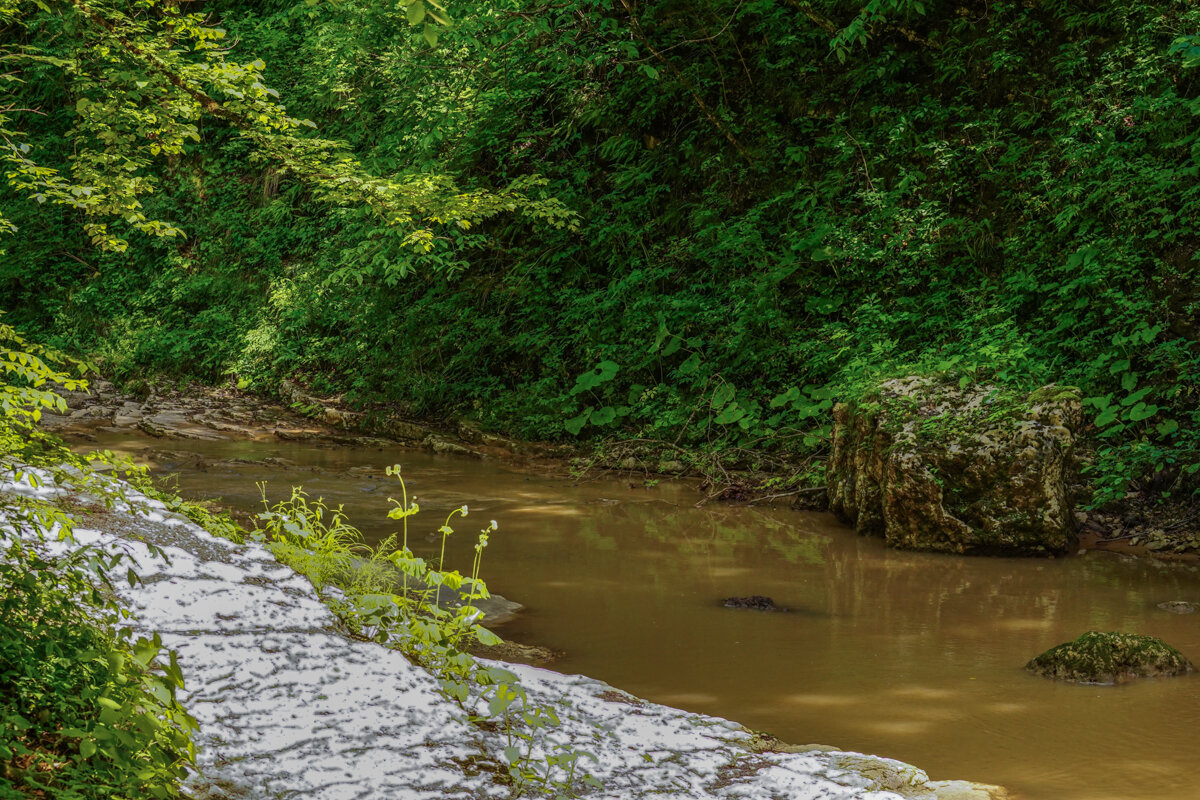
column 781, row 202
column 141, row 82
column 28, row 375
column 87, row 708
column 391, row 596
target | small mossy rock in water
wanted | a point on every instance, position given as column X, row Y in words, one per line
column 931, row 466
column 1097, row 657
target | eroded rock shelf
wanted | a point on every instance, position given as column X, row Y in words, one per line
column 290, row 707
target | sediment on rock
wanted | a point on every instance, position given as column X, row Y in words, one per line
column 930, row 466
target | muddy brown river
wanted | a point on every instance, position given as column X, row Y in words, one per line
column 912, row 656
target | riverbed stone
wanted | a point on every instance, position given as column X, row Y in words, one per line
column 326, row 411
column 406, row 431
column 757, row 602
column 1178, row 607
column 1110, row 658
column 931, row 466
column 443, row 446
column 516, row 653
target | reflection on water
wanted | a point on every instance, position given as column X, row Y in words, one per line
column 912, row 656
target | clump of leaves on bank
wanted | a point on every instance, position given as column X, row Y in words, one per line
column 88, row 709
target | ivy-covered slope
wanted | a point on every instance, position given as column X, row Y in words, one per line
column 1007, row 191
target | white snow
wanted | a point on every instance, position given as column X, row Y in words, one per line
column 290, row 707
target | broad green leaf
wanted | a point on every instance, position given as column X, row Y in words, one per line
column 499, row 704
column 732, row 413
column 603, row 416
column 145, row 651
column 1142, row 411
column 822, row 305
column 791, row 395
column 1136, row 397
column 575, row 424
column 723, row 394
column 601, row 373
column 690, row 365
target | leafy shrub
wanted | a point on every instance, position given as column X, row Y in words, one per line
column 389, row 595
column 86, row 709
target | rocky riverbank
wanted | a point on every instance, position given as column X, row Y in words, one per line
column 290, row 706
column 1141, row 526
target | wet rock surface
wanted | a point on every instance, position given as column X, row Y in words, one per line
column 208, row 413
column 290, row 707
column 461, row 438
column 199, row 413
column 929, row 466
column 1178, row 607
column 517, row 653
column 1144, row 525
column 1110, row 658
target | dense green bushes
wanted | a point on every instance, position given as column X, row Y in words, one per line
column 82, row 713
column 1004, row 191
column 87, row 709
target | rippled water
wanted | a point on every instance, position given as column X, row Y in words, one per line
column 912, row 656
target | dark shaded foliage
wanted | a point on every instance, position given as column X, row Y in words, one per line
column 1002, row 191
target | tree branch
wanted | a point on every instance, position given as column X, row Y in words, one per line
column 824, row 23
column 636, row 27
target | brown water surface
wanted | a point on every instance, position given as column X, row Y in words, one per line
column 917, row 657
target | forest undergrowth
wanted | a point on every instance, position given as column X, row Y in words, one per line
column 778, row 203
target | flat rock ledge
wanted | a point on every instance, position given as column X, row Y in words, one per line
column 1110, row 658
column 289, row 707
column 930, row 466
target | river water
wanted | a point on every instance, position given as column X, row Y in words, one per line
column 912, row 656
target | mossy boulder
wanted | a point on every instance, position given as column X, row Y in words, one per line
column 931, row 466
column 1097, row 657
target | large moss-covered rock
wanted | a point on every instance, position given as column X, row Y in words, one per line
column 931, row 466
column 1097, row 657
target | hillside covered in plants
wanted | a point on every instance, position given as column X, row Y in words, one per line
column 727, row 215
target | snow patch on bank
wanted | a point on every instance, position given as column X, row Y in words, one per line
column 290, row 707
